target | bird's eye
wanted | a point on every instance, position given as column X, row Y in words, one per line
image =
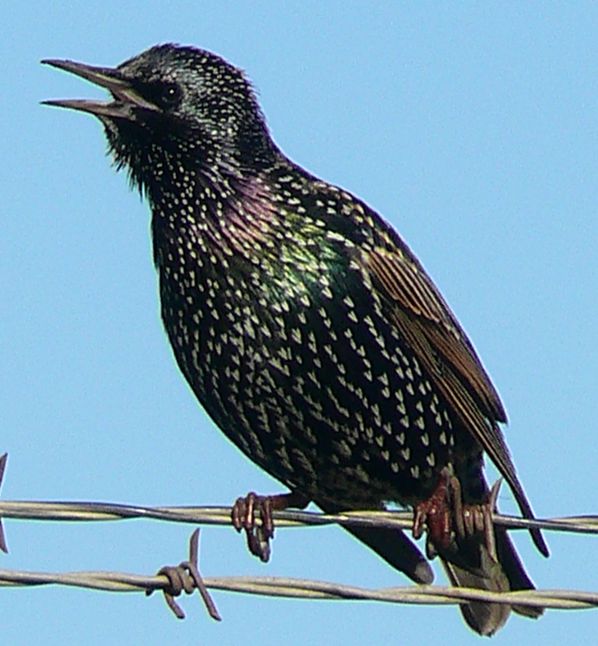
column 164, row 94
column 171, row 94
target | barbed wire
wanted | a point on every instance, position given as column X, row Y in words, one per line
column 185, row 577
column 297, row 589
column 212, row 515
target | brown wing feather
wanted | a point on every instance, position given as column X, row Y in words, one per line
column 430, row 328
column 405, row 282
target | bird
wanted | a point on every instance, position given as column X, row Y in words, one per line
column 308, row 329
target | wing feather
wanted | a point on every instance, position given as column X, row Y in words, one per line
column 427, row 324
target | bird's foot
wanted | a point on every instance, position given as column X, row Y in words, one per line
column 243, row 517
column 449, row 520
column 434, row 514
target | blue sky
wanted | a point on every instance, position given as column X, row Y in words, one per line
column 472, row 127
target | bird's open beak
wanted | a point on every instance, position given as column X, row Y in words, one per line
column 125, row 97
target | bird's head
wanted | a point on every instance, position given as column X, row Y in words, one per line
column 183, row 103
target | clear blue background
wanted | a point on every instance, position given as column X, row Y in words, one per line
column 472, row 127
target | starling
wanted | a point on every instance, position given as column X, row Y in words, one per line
column 307, row 328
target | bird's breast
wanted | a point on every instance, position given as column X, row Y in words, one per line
column 300, row 367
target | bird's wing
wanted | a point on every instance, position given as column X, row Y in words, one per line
column 427, row 324
column 403, row 279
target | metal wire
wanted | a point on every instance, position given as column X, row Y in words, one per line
column 273, row 586
column 308, row 589
column 104, row 511
column 278, row 586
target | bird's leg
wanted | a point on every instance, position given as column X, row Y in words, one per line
column 434, row 514
column 449, row 520
column 258, row 536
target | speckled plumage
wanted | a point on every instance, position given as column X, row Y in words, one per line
column 297, row 372
column 303, row 323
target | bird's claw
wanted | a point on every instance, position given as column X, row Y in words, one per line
column 477, row 519
column 434, row 514
column 449, row 521
column 243, row 517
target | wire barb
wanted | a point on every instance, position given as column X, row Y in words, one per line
column 186, row 577
column 3, row 545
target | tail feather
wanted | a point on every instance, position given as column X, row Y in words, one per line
column 485, row 618
column 513, row 568
column 486, row 574
column 469, row 566
column 393, row 545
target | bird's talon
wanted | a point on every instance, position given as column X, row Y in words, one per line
column 435, row 514
column 263, row 544
column 267, row 527
column 418, row 523
column 243, row 516
column 468, row 522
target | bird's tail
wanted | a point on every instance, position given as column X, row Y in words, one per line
column 475, row 568
column 393, row 545
column 471, row 566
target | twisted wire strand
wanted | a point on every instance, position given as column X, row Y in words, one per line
column 212, row 515
column 280, row 586
column 186, row 577
column 308, row 589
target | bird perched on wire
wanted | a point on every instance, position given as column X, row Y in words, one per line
column 307, row 328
